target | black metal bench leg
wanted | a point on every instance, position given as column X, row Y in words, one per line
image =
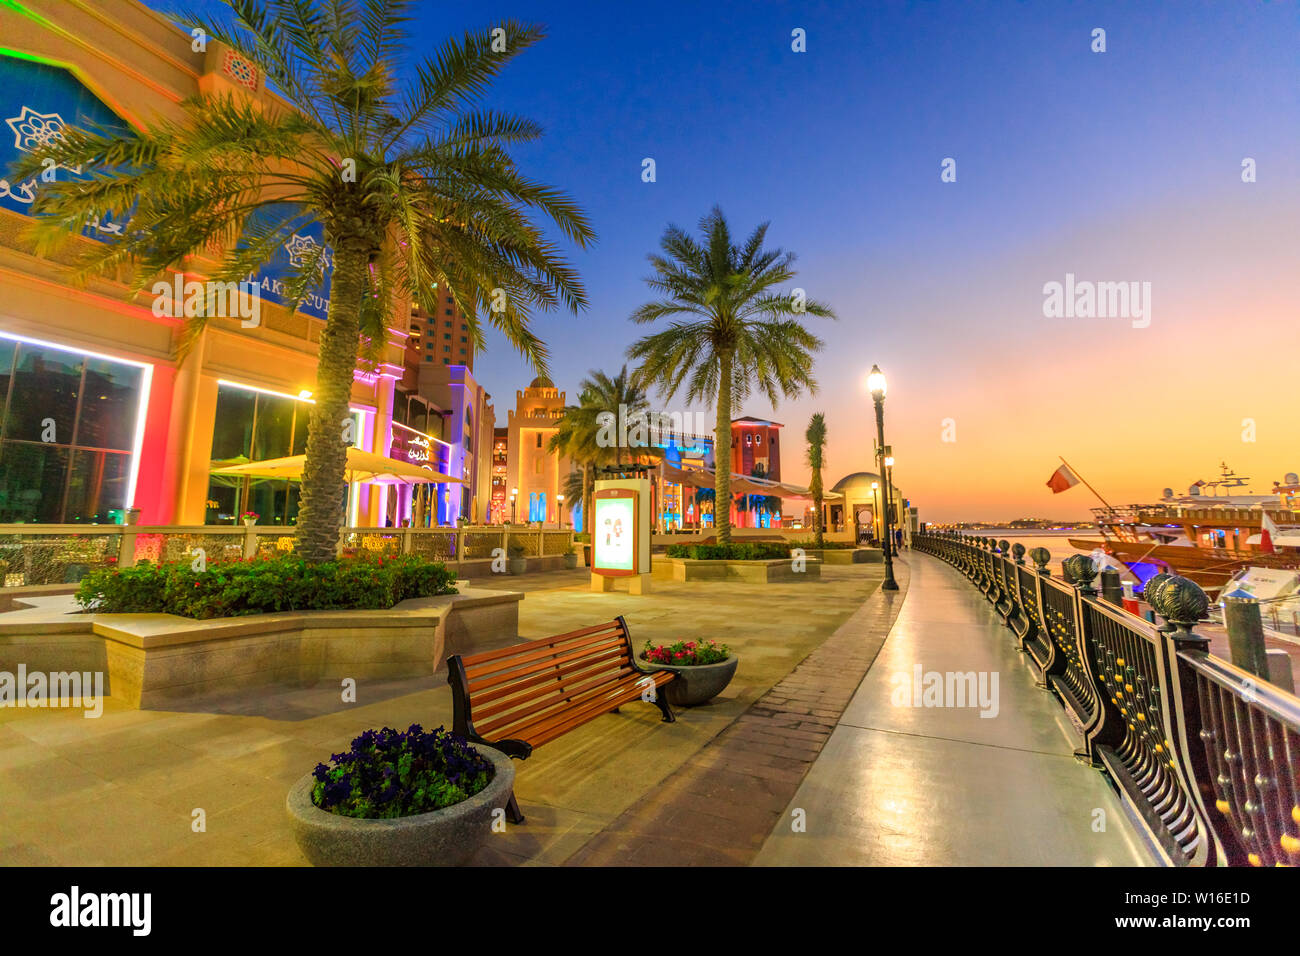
column 513, row 813
column 661, row 701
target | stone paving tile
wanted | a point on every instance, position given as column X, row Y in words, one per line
column 721, row 805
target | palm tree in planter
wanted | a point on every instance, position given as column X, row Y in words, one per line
column 737, row 332
column 816, row 437
column 412, row 185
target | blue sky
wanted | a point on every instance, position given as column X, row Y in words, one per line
column 1119, row 165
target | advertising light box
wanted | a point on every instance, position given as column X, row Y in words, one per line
column 614, row 532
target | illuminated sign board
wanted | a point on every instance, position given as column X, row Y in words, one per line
column 615, row 532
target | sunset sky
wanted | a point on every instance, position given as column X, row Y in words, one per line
column 1117, row 166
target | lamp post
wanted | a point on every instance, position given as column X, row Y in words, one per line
column 559, row 517
column 876, row 386
column 514, row 493
column 889, row 483
column 875, row 506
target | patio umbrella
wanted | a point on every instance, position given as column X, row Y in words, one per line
column 361, row 466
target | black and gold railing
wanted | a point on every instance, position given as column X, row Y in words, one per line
column 1206, row 755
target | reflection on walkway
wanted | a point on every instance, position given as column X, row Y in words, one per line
column 919, row 771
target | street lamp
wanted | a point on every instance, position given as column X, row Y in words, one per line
column 876, row 385
column 889, row 481
column 875, row 506
column 514, row 493
column 559, row 518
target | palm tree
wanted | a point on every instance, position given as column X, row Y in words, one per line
column 739, row 333
column 816, row 436
column 412, row 184
column 589, row 432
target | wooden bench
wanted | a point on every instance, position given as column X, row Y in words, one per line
column 525, row 695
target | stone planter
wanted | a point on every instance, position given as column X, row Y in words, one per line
column 696, row 683
column 571, row 561
column 447, row 837
column 518, row 565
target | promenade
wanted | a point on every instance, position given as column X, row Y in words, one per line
column 808, row 726
column 900, row 785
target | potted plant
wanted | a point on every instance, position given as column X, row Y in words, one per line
column 401, row 799
column 250, row 518
column 570, row 558
column 518, row 561
column 703, row 669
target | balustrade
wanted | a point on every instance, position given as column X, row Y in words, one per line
column 1205, row 755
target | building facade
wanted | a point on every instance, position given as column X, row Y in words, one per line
column 534, row 475
column 99, row 409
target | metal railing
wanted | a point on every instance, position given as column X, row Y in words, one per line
column 47, row 554
column 1205, row 755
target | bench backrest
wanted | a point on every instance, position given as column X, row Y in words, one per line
column 498, row 688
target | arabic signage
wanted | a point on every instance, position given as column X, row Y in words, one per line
column 37, row 101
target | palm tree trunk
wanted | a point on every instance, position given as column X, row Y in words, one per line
column 722, row 452
column 586, row 497
column 322, row 512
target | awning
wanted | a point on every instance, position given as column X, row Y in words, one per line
column 361, row 466
column 740, row 484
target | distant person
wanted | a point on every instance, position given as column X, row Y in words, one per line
column 898, row 539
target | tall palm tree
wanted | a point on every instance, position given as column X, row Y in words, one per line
column 739, row 333
column 816, row 436
column 412, row 184
column 587, row 435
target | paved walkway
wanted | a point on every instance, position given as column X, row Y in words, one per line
column 719, row 806
column 124, row 789
column 899, row 785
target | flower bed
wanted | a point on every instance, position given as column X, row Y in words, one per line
column 686, row 653
column 262, row 586
column 389, row 774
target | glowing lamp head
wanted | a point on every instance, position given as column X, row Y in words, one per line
column 889, row 462
column 304, row 394
column 875, row 485
column 876, row 383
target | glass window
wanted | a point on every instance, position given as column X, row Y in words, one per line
column 69, row 426
column 32, row 477
column 98, row 484
column 232, row 434
column 447, row 311
column 109, row 406
column 43, row 395
column 272, row 435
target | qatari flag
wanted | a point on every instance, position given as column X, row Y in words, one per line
column 1062, row 479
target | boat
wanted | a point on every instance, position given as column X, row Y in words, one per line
column 1211, row 534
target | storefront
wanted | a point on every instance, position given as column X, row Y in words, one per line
column 72, row 423
column 99, row 410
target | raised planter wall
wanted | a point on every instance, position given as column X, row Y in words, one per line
column 153, row 660
column 753, row 572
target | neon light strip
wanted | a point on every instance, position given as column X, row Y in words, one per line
column 296, row 398
column 422, row 434
column 141, row 415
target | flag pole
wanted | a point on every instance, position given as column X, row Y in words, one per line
column 1075, row 471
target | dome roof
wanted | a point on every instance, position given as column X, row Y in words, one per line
column 858, row 481
column 542, row 382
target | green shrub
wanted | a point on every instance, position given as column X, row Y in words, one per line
column 810, row 544
column 736, row 551
column 258, row 587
